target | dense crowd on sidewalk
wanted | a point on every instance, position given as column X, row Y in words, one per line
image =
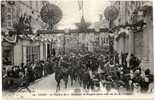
column 89, row 70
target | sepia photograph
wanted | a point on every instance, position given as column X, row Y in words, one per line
column 53, row 48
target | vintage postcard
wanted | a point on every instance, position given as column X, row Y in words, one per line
column 77, row 49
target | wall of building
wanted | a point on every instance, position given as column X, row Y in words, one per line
column 32, row 8
column 148, row 43
column 18, row 53
column 11, row 14
column 8, row 52
column 126, row 9
column 75, row 42
column 123, row 41
column 88, row 41
column 139, row 43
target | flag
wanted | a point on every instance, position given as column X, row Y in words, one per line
column 80, row 4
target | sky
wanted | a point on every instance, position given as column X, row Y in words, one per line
column 72, row 14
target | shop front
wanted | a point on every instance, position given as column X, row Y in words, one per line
column 26, row 52
column 7, row 53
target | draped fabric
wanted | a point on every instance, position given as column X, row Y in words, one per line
column 10, row 39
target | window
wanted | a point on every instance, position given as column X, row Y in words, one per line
column 9, row 17
column 119, row 20
column 37, row 5
column 31, row 4
column 9, row 23
column 103, row 40
column 9, row 20
column 32, row 53
column 48, row 50
column 106, row 40
column 9, row 10
column 7, row 53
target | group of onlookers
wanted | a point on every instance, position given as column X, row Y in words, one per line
column 21, row 76
column 88, row 69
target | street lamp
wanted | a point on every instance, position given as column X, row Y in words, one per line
column 111, row 13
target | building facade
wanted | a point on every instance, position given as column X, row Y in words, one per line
column 16, row 50
column 127, row 40
column 74, row 41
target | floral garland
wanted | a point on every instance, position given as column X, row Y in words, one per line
column 10, row 39
column 122, row 33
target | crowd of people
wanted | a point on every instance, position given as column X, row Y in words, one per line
column 89, row 70
column 21, row 76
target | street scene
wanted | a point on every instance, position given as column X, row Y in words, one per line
column 77, row 46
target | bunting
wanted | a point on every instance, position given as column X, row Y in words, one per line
column 11, row 39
